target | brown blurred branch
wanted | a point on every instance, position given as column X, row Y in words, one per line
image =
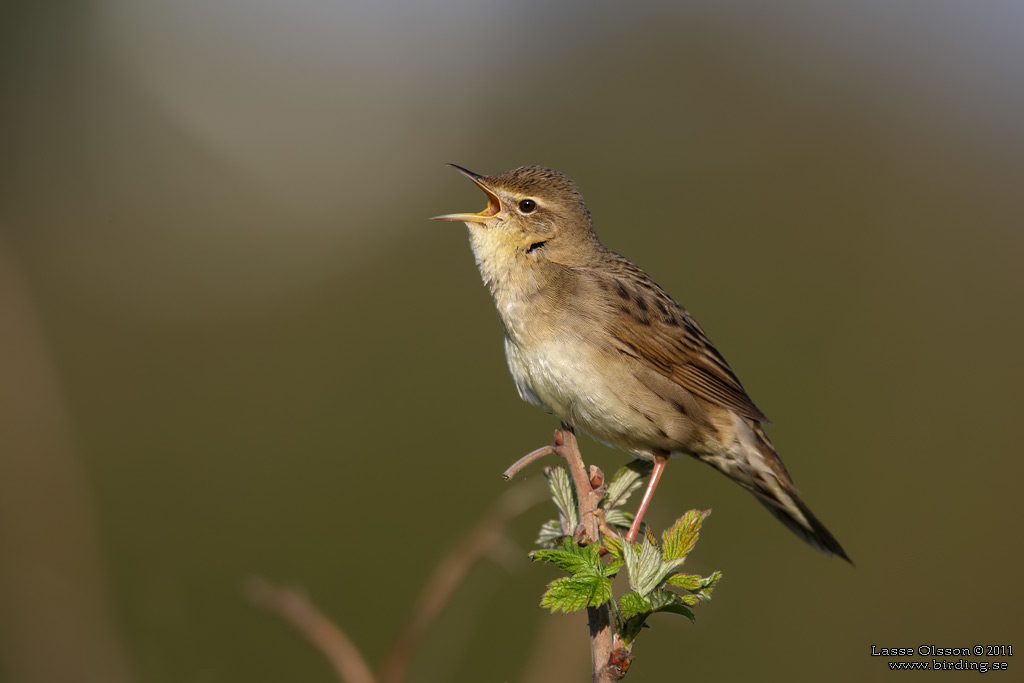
column 56, row 621
column 449, row 574
column 296, row 609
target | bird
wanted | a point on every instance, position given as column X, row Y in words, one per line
column 593, row 340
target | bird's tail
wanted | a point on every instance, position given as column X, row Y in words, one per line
column 766, row 477
column 805, row 525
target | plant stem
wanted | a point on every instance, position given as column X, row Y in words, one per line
column 599, row 618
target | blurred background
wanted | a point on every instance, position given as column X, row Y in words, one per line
column 232, row 344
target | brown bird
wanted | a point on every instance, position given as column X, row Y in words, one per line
column 595, row 341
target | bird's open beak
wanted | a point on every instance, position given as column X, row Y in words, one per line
column 493, row 203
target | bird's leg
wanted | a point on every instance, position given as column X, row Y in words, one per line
column 659, row 467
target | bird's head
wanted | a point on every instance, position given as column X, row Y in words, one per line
column 531, row 211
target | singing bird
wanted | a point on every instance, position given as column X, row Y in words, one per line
column 592, row 339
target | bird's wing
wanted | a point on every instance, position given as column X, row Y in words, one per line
column 652, row 328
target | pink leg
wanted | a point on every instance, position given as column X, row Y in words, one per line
column 659, row 467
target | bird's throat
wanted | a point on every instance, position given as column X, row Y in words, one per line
column 514, row 277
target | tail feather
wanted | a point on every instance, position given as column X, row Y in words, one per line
column 758, row 468
column 814, row 532
column 783, row 501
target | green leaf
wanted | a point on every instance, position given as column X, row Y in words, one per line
column 644, row 565
column 622, row 520
column 631, row 558
column 612, row 568
column 662, row 598
column 634, row 610
column 701, row 586
column 649, row 571
column 573, row 593
column 690, row 582
column 631, row 604
column 565, row 594
column 667, row 601
column 613, row 546
column 563, row 494
column 631, row 628
column 571, row 556
column 602, row 592
column 679, row 540
column 627, row 480
column 550, row 534
column 681, row 611
column 570, row 562
column 712, row 581
column 618, row 518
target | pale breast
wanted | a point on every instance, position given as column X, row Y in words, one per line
column 586, row 387
column 560, row 344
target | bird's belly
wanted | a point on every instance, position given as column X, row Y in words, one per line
column 572, row 381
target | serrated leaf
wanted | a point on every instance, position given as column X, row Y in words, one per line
column 602, row 592
column 691, row 582
column 701, row 586
column 618, row 518
column 563, row 494
column 681, row 610
column 571, row 556
column 649, row 570
column 712, row 581
column 570, row 562
column 612, row 568
column 573, row 593
column 550, row 534
column 631, row 558
column 613, row 546
column 634, row 610
column 662, row 598
column 631, row 604
column 645, row 567
column 566, row 595
column 669, row 566
column 678, row 541
column 628, row 479
column 622, row 520
column 667, row 601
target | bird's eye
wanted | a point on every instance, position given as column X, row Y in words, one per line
column 527, row 205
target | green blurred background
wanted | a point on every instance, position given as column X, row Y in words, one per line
column 232, row 345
